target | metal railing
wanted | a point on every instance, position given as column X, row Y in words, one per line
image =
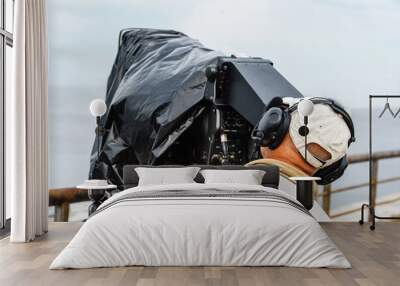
column 327, row 191
column 62, row 198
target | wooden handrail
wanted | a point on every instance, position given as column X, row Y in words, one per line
column 71, row 195
column 353, row 187
column 359, row 158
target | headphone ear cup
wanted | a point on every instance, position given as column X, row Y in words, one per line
column 274, row 126
column 281, row 130
column 332, row 172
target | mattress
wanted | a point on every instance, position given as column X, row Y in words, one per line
column 201, row 225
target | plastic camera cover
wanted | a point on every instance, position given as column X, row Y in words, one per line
column 154, row 92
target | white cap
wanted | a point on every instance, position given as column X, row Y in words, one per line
column 326, row 128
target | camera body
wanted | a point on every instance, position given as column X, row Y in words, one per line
column 237, row 93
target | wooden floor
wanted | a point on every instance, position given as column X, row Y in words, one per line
column 375, row 257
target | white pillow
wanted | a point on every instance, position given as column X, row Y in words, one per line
column 163, row 176
column 248, row 177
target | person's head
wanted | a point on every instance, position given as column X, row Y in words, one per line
column 330, row 134
column 287, row 152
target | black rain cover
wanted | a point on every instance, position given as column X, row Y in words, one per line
column 154, row 92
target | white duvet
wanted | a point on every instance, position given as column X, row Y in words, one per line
column 200, row 231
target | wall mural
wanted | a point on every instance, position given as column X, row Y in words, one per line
column 81, row 60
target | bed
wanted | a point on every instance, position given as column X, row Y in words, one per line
column 201, row 224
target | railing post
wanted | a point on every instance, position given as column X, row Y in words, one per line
column 374, row 185
column 326, row 199
column 61, row 212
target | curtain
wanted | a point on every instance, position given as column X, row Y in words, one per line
column 27, row 121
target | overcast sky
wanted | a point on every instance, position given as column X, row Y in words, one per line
column 345, row 49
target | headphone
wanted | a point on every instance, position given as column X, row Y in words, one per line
column 274, row 124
